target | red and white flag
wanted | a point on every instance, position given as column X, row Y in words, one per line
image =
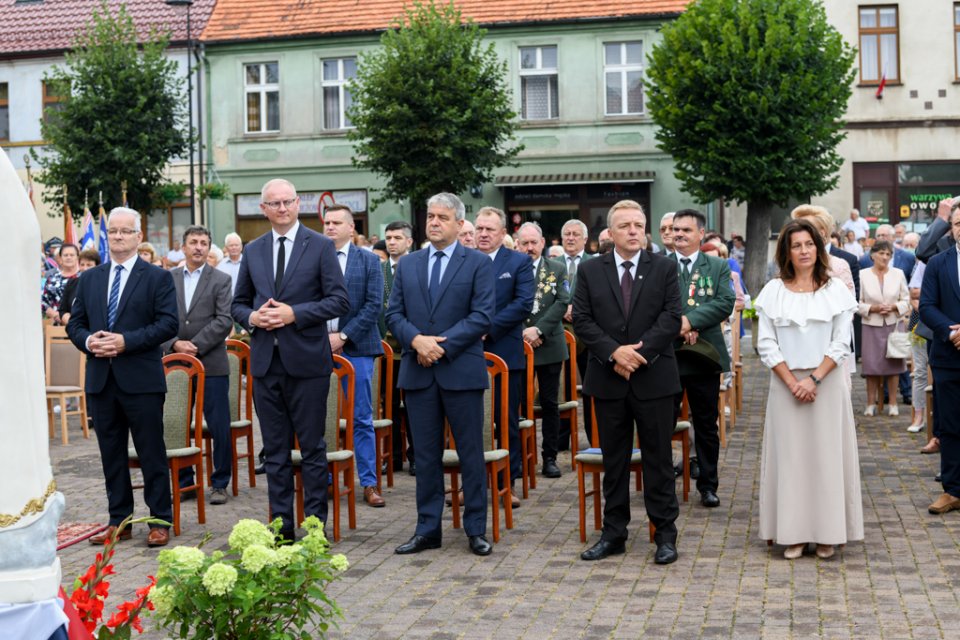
column 883, row 83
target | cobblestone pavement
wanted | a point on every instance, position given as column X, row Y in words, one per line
column 900, row 583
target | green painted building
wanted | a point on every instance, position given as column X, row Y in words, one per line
column 277, row 94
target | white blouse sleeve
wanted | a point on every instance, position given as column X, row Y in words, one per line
column 839, row 347
column 767, row 345
column 903, row 298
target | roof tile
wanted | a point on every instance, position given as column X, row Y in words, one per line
column 260, row 19
column 50, row 25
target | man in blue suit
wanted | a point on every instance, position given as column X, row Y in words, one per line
column 441, row 305
column 356, row 335
column 514, row 289
column 289, row 286
column 940, row 311
column 124, row 310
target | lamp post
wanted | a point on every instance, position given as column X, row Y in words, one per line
column 179, row 5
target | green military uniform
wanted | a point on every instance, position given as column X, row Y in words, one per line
column 707, row 301
column 549, row 304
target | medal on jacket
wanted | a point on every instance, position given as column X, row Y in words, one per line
column 700, row 291
column 709, row 286
column 693, row 287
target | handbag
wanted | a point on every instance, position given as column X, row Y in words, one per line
column 898, row 343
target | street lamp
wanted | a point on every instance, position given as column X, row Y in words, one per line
column 180, row 5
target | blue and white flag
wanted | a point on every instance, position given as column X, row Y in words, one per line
column 87, row 240
column 104, row 245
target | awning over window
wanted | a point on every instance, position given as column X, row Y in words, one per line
column 622, row 177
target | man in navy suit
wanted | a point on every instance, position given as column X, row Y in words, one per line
column 124, row 310
column 289, row 286
column 514, row 289
column 940, row 311
column 441, row 305
column 356, row 335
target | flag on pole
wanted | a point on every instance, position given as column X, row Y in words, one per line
column 104, row 245
column 69, row 231
column 88, row 240
column 883, row 83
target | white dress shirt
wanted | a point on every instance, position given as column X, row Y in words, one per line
column 190, row 281
column 291, row 236
column 448, row 252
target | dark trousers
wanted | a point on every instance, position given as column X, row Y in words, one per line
column 427, row 409
column 514, row 379
column 116, row 414
column 548, row 379
column 703, row 392
column 654, row 424
column 947, row 392
column 216, row 411
column 288, row 406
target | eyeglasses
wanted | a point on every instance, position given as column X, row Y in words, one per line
column 275, row 204
column 121, row 232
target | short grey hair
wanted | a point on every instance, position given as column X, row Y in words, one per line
column 572, row 222
column 232, row 236
column 448, row 201
column 125, row 211
column 493, row 211
column 217, row 253
column 270, row 183
column 555, row 251
column 884, row 228
column 531, row 225
column 625, row 204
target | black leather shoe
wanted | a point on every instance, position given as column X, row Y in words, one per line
column 550, row 469
column 709, row 499
column 416, row 544
column 694, row 468
column 286, row 536
column 666, row 553
column 603, row 549
column 936, row 478
column 413, row 469
column 479, row 545
column 189, row 494
column 678, row 470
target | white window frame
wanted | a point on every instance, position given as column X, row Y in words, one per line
column 539, row 71
column 341, row 85
column 261, row 90
column 874, row 53
column 623, row 69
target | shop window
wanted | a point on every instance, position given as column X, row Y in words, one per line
column 262, row 91
column 538, row 83
column 54, row 98
column 4, row 112
column 623, row 78
column 879, row 44
column 337, row 73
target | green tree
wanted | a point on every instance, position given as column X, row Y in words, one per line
column 431, row 107
column 123, row 119
column 748, row 96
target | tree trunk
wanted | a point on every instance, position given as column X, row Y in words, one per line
column 757, row 240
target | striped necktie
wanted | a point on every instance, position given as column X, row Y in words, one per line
column 114, row 297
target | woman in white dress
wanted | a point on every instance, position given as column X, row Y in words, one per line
column 809, row 470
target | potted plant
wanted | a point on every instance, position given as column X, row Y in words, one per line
column 213, row 191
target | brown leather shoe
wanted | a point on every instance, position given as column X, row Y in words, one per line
column 944, row 503
column 158, row 537
column 514, row 499
column 931, row 447
column 372, row 498
column 102, row 537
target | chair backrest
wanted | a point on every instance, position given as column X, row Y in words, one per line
column 340, row 404
column 183, row 404
column 383, row 384
column 570, row 370
column 528, row 383
column 735, row 336
column 64, row 363
column 241, row 400
column 497, row 373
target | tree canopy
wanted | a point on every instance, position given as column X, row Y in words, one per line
column 749, row 96
column 431, row 108
column 123, row 119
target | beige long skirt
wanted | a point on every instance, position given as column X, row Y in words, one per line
column 810, row 470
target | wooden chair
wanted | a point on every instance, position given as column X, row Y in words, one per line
column 383, row 412
column 182, row 429
column 722, row 415
column 591, row 461
column 681, row 434
column 569, row 405
column 65, row 370
column 340, row 458
column 528, row 426
column 497, row 460
column 736, row 401
column 241, row 416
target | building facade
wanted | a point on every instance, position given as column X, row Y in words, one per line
column 278, row 96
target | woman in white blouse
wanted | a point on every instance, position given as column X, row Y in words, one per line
column 884, row 299
column 809, row 470
column 852, row 245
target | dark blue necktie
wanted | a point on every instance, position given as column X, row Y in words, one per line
column 114, row 297
column 435, row 277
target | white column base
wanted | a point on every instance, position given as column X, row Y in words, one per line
column 30, row 585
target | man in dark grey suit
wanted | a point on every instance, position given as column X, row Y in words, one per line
column 203, row 304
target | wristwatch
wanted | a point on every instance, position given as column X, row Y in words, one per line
column 815, row 379
column 539, row 332
column 343, row 337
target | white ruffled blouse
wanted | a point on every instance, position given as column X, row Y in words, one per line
column 801, row 328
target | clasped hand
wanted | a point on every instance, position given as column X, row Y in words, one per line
column 272, row 315
column 804, row 390
column 428, row 349
column 627, row 359
column 104, row 344
column 955, row 335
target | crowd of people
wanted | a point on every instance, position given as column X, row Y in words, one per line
column 653, row 338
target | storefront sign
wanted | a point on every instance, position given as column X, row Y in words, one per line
column 310, row 202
